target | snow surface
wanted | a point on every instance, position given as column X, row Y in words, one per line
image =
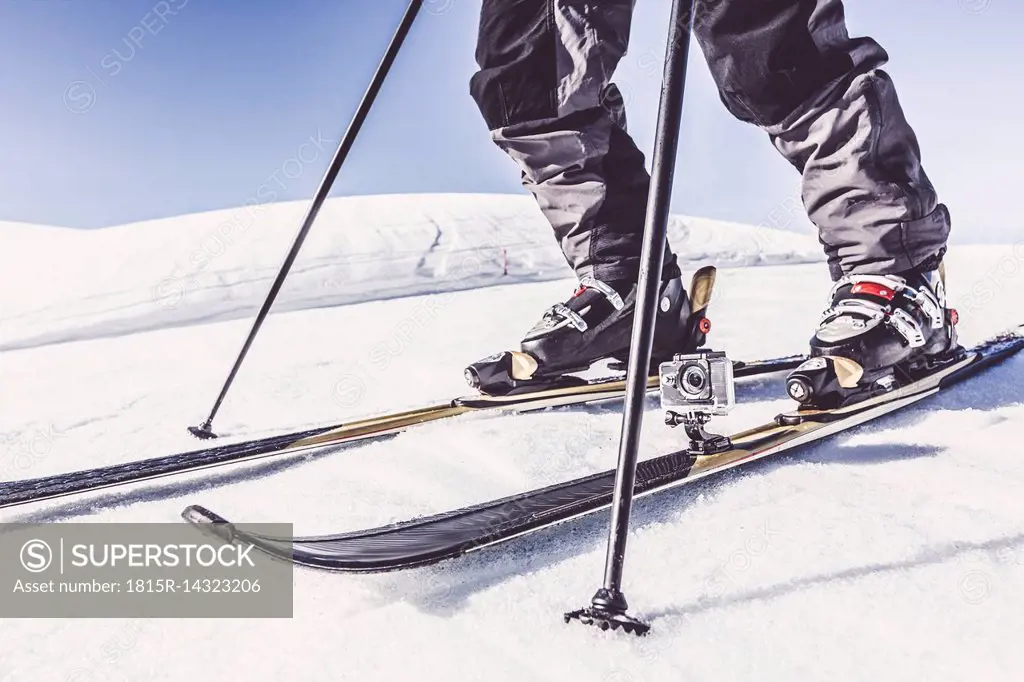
column 894, row 552
column 219, row 265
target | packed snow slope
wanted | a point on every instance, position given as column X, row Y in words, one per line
column 219, row 265
column 894, row 552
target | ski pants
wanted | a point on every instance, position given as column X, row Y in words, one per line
column 788, row 66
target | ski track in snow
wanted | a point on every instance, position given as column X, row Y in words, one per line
column 893, row 552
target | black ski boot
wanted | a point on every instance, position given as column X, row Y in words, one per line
column 879, row 332
column 595, row 324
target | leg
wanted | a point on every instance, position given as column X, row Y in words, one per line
column 790, row 67
column 544, row 88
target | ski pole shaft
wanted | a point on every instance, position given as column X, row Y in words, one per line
column 651, row 260
column 362, row 112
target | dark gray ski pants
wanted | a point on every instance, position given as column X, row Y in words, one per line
column 788, row 66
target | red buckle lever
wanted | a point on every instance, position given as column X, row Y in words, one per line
column 873, row 289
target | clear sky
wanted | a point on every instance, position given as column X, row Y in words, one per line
column 119, row 110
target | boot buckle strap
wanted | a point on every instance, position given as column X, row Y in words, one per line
column 872, row 311
column 895, row 284
column 588, row 282
column 907, row 327
column 930, row 305
column 904, row 325
column 566, row 313
column 923, row 298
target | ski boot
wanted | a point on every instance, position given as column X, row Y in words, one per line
column 879, row 333
column 595, row 324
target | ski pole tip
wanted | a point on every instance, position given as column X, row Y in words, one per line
column 202, row 432
column 607, row 620
column 607, row 611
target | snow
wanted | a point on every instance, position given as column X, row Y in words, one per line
column 219, row 265
column 893, row 552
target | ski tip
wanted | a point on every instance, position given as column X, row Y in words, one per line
column 197, row 514
column 202, row 432
column 209, row 522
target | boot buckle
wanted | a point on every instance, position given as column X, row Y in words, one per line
column 588, row 282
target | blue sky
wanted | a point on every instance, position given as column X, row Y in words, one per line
column 119, row 110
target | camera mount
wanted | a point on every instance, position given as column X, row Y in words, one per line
column 701, row 441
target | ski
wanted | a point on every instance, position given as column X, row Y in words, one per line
column 434, row 538
column 373, row 428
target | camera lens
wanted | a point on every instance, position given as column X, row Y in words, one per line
column 693, row 379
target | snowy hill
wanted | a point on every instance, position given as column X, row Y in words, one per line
column 890, row 553
column 219, row 265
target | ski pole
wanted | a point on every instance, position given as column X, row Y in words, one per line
column 204, row 431
column 608, row 606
